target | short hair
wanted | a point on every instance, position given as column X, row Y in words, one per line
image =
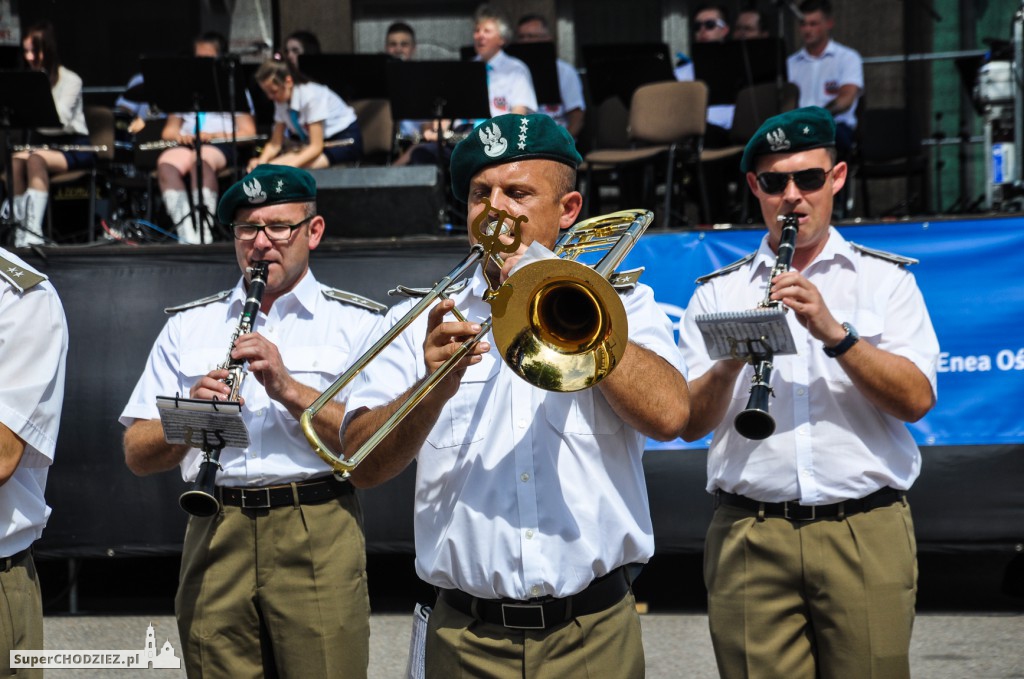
column 721, row 9
column 401, row 27
column 763, row 20
column 43, row 39
column 488, row 13
column 823, row 6
column 310, row 43
column 527, row 18
column 213, row 38
column 564, row 179
column 277, row 70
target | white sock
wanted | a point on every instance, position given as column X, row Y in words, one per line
column 178, row 209
column 19, row 208
column 35, row 210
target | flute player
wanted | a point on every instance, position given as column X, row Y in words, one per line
column 275, row 583
column 810, row 559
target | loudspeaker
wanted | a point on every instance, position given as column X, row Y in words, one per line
column 369, row 202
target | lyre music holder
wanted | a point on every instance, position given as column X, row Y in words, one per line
column 26, row 103
column 199, row 85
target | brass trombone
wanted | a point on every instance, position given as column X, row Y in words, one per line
column 558, row 323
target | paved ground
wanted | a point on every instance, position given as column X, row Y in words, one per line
column 959, row 646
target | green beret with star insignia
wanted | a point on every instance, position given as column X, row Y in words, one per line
column 810, row 127
column 266, row 185
column 507, row 138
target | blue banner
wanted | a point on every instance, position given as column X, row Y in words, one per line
column 971, row 282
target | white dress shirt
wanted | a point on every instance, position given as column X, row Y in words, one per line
column 522, row 492
column 570, row 89
column 33, row 350
column 830, row 442
column 509, row 84
column 819, row 78
column 67, row 99
column 315, row 103
column 317, row 338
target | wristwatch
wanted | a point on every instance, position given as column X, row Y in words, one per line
column 845, row 344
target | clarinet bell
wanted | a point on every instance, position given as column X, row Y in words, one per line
column 201, row 500
column 755, row 422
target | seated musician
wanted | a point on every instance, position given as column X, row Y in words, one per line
column 313, row 126
column 175, row 163
column 31, row 169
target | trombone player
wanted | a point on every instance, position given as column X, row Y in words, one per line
column 273, row 584
column 531, row 508
column 810, row 559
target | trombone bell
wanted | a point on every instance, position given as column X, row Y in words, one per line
column 564, row 327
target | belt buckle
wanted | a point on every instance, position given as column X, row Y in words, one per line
column 520, row 614
column 812, row 517
column 260, row 498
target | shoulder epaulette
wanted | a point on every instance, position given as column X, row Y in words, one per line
column 354, row 299
column 624, row 281
column 882, row 254
column 405, row 291
column 20, row 277
column 198, row 302
column 728, row 268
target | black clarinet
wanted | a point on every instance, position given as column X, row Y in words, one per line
column 202, row 500
column 754, row 421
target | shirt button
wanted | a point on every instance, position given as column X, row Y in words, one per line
column 525, row 477
column 521, row 424
column 801, row 392
column 805, row 472
column 535, row 590
column 529, row 533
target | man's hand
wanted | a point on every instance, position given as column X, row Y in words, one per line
column 800, row 295
column 443, row 340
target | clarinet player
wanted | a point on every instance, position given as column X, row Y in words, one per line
column 274, row 584
column 810, row 558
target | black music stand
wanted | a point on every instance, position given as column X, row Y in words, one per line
column 541, row 58
column 199, row 85
column 26, row 103
column 352, row 76
column 728, row 67
column 437, row 90
column 617, row 70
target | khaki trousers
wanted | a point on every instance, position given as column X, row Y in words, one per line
column 276, row 592
column 604, row 645
column 828, row 599
column 21, row 616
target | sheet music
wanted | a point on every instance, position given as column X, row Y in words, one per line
column 181, row 417
column 417, row 643
column 732, row 334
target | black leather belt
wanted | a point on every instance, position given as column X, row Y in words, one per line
column 542, row 613
column 307, row 492
column 9, row 562
column 794, row 511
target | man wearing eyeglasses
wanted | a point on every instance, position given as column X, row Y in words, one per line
column 810, row 559
column 274, row 583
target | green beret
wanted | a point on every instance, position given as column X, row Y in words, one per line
column 507, row 138
column 266, row 185
column 810, row 127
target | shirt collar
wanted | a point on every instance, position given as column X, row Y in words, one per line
column 829, row 51
column 303, row 297
column 836, row 248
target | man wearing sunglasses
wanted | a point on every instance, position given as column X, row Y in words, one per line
column 274, row 584
column 810, row 559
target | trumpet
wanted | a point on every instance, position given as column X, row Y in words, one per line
column 201, row 499
column 559, row 324
column 754, row 421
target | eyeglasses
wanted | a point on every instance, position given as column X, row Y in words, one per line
column 708, row 25
column 774, row 183
column 274, row 232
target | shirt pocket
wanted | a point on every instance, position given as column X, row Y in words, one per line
column 466, row 418
column 580, row 413
column 198, row 361
column 316, row 366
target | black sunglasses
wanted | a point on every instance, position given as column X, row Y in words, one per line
column 708, row 25
column 806, row 180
